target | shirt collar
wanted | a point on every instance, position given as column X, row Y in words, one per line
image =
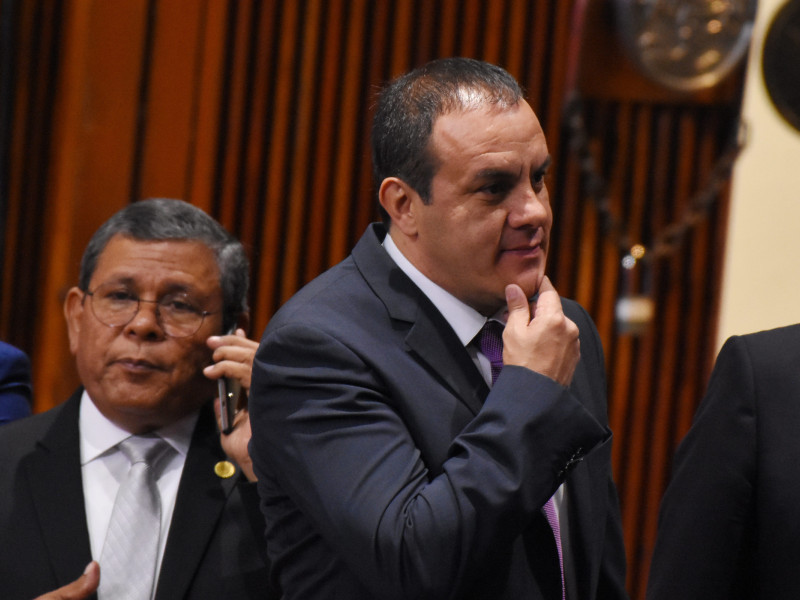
column 99, row 435
column 465, row 320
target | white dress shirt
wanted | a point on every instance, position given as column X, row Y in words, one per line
column 104, row 467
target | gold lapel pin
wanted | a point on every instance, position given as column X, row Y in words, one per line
column 224, row 469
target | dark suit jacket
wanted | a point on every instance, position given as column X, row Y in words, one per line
column 15, row 383
column 729, row 525
column 388, row 470
column 215, row 547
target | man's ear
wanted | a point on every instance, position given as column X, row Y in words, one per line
column 401, row 202
column 74, row 312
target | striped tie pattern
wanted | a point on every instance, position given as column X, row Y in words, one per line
column 128, row 559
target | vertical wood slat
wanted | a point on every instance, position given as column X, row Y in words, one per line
column 303, row 132
column 401, row 36
column 470, row 28
column 276, row 168
column 205, row 103
column 372, row 54
column 235, row 101
column 347, row 195
column 448, row 35
column 18, row 152
column 538, row 40
column 318, row 190
column 659, row 412
column 261, row 117
column 166, row 127
column 47, row 342
column 517, row 36
column 250, row 176
column 425, row 34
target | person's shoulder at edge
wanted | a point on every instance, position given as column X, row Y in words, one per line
column 15, row 383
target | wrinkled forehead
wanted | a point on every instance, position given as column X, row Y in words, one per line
column 158, row 263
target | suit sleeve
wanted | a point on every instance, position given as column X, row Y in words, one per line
column 339, row 448
column 706, row 516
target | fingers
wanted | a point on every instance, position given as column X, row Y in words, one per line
column 217, row 414
column 235, row 444
column 240, row 416
column 548, row 299
column 549, row 342
column 237, row 338
column 236, row 345
column 518, row 309
column 519, row 314
column 80, row 589
column 233, row 357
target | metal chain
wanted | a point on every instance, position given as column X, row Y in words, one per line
column 670, row 238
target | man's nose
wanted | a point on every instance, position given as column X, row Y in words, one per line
column 530, row 209
column 146, row 322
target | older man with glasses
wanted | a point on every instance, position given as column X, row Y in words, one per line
column 131, row 472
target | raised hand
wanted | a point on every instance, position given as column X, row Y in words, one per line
column 540, row 336
column 233, row 357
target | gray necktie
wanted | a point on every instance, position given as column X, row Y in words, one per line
column 128, row 559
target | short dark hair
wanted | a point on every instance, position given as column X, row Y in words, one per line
column 409, row 105
column 161, row 219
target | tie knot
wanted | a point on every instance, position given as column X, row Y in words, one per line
column 491, row 344
column 146, row 449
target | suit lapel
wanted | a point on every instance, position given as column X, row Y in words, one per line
column 198, row 508
column 429, row 336
column 447, row 358
column 56, row 487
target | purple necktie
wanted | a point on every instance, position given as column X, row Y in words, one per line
column 491, row 345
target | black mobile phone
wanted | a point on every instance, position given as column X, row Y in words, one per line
column 229, row 390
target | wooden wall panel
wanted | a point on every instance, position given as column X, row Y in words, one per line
column 258, row 111
column 206, row 102
column 32, row 34
column 167, row 99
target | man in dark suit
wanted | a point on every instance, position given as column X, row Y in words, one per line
column 15, row 383
column 390, row 464
column 729, row 525
column 160, row 282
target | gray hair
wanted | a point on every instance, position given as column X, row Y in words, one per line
column 408, row 107
column 162, row 219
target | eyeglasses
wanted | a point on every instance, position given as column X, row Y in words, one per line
column 115, row 305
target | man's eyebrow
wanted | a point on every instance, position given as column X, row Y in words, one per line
column 494, row 173
column 117, row 280
column 546, row 164
column 168, row 287
column 174, row 287
column 499, row 173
